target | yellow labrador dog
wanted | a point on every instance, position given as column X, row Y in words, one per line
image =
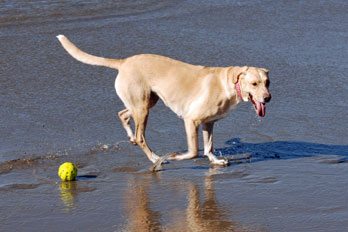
column 198, row 94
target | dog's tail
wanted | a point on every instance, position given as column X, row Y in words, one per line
column 87, row 58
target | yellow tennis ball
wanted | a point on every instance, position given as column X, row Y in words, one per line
column 67, row 171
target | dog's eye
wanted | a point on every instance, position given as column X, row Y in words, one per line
column 254, row 84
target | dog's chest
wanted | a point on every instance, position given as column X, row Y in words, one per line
column 207, row 110
column 222, row 111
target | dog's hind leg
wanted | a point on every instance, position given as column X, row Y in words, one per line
column 125, row 116
column 140, row 119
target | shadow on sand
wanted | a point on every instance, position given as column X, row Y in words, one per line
column 238, row 151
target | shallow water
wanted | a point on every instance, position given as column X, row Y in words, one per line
column 287, row 172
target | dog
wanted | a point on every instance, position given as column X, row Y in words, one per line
column 199, row 95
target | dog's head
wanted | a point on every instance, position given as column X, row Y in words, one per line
column 254, row 84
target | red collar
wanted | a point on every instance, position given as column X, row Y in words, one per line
column 238, row 91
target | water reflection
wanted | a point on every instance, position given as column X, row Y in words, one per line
column 140, row 216
column 203, row 212
column 210, row 215
column 67, row 194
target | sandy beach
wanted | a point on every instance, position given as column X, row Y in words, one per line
column 287, row 171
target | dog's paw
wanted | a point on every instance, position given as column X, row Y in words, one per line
column 132, row 141
column 220, row 162
column 160, row 160
column 182, row 156
column 215, row 161
column 174, row 156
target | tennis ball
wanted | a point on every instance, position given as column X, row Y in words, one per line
column 67, row 171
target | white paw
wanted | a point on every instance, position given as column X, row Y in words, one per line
column 132, row 140
column 214, row 160
column 154, row 158
column 221, row 162
column 182, row 156
column 161, row 160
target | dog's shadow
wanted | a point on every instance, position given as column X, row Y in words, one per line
column 240, row 152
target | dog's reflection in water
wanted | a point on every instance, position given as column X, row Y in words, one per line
column 202, row 212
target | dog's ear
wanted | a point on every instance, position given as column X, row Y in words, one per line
column 235, row 72
column 265, row 70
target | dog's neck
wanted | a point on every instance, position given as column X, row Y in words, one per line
column 238, row 91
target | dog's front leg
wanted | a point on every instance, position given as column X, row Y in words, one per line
column 208, row 144
column 191, row 128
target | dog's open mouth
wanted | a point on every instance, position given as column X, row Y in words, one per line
column 260, row 108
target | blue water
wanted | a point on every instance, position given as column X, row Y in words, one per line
column 288, row 169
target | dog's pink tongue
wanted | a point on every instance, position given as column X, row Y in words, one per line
column 260, row 108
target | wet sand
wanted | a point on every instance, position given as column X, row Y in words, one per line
column 287, row 172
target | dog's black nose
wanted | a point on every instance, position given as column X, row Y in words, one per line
column 267, row 97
